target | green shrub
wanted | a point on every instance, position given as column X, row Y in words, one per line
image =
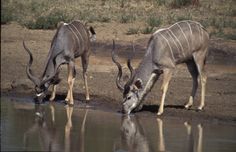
column 161, row 2
column 147, row 30
column 180, row 3
column 220, row 33
column 220, row 22
column 171, row 18
column 127, row 18
column 154, row 21
column 48, row 21
column 7, row 15
column 230, row 36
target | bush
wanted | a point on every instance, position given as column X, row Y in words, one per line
column 154, row 21
column 147, row 30
column 180, row 3
column 49, row 21
column 161, row 2
column 7, row 15
column 230, row 36
column 127, row 18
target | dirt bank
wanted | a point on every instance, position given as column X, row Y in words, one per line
column 221, row 86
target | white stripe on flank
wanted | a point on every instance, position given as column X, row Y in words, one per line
column 201, row 32
column 159, row 31
column 195, row 23
column 175, row 24
column 190, row 28
column 200, row 37
column 74, row 33
column 171, row 51
column 82, row 40
column 173, row 40
column 148, row 85
column 191, row 33
column 184, row 36
column 178, row 42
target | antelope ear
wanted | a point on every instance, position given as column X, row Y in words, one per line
column 138, row 84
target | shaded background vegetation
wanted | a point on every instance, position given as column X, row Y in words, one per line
column 218, row 16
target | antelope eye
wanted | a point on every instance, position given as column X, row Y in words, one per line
column 129, row 97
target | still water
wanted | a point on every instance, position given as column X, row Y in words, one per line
column 54, row 127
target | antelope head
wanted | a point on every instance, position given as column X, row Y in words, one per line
column 132, row 88
column 41, row 84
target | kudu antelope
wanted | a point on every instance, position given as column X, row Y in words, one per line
column 183, row 42
column 70, row 42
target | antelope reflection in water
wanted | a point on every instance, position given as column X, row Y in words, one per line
column 194, row 138
column 133, row 136
column 68, row 127
column 47, row 133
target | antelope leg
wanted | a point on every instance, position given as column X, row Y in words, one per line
column 200, row 62
column 71, row 79
column 53, row 95
column 86, row 86
column 85, row 61
column 166, row 79
column 192, row 68
column 203, row 90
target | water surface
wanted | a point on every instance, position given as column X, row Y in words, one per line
column 54, row 127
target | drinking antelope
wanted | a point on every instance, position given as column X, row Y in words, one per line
column 70, row 42
column 183, row 42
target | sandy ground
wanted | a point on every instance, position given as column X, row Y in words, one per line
column 221, row 70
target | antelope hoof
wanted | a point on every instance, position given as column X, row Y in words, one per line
column 200, row 108
column 159, row 113
column 51, row 98
column 68, row 104
column 189, row 103
column 87, row 98
column 187, row 106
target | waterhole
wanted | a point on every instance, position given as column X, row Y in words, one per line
column 55, row 127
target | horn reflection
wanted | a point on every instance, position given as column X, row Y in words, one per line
column 132, row 135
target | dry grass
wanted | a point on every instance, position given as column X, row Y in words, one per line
column 45, row 14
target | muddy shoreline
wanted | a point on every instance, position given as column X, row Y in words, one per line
column 221, row 70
